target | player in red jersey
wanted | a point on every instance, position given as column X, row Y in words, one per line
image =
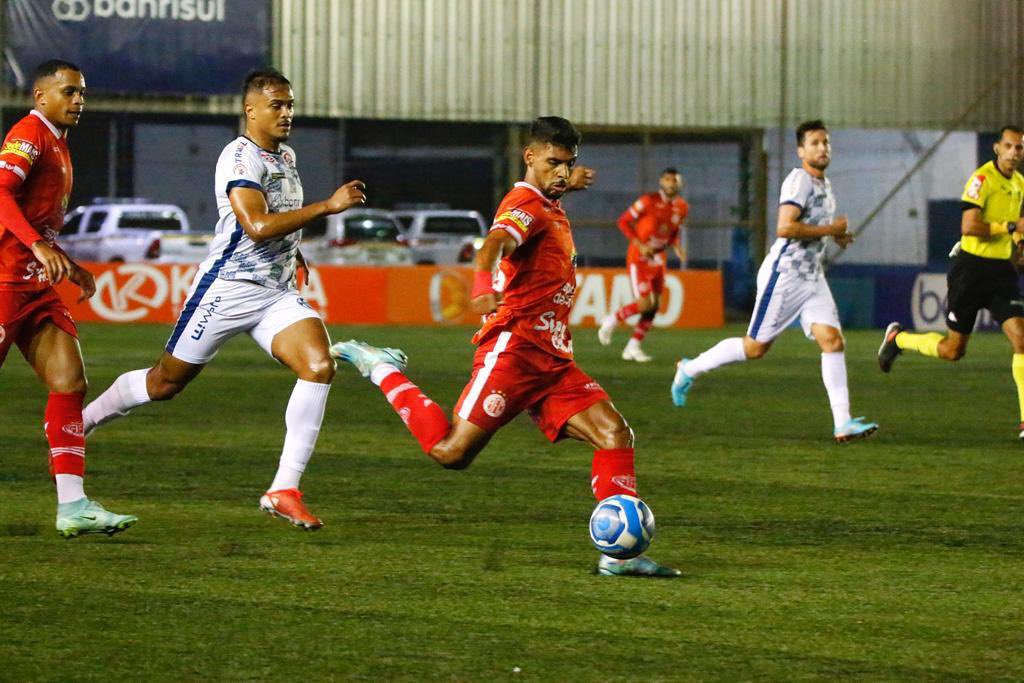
column 35, row 183
column 524, row 283
column 651, row 224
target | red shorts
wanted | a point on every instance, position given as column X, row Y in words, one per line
column 646, row 278
column 22, row 314
column 511, row 375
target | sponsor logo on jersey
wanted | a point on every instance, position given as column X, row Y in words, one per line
column 22, row 148
column 3, row 334
column 239, row 169
column 495, row 404
column 517, row 217
column 207, row 11
column 974, row 189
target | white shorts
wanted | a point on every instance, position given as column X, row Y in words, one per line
column 216, row 310
column 784, row 297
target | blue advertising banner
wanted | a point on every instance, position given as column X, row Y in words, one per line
column 141, row 46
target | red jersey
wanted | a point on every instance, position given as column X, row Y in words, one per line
column 654, row 221
column 35, row 184
column 538, row 279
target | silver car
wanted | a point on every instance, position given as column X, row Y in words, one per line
column 356, row 237
column 442, row 236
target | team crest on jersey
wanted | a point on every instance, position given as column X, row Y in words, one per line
column 495, row 404
column 974, row 189
column 288, row 158
column 239, row 169
column 22, row 148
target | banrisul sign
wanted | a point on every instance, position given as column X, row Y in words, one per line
column 141, row 46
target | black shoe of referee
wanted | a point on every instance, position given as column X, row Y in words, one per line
column 888, row 351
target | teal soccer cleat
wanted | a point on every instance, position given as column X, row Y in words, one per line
column 366, row 357
column 856, row 428
column 681, row 384
column 85, row 516
column 637, row 566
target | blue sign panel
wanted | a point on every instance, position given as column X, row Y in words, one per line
column 141, row 46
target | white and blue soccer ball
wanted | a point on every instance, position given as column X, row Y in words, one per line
column 621, row 526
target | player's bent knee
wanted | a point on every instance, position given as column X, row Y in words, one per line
column 615, row 435
column 320, row 371
column 68, row 385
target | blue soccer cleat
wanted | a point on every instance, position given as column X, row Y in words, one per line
column 681, row 384
column 640, row 565
column 366, row 357
column 85, row 516
column 855, row 428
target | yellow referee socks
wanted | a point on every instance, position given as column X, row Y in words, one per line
column 1018, row 379
column 927, row 344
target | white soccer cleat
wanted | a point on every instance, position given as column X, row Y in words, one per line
column 604, row 333
column 634, row 353
column 366, row 357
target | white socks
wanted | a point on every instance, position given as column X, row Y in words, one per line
column 724, row 352
column 128, row 391
column 833, row 374
column 69, row 488
column 302, row 420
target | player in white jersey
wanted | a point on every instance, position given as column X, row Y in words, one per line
column 247, row 285
column 791, row 285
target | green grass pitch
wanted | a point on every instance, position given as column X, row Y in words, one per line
column 898, row 557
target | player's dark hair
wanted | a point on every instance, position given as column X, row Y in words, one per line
column 258, row 79
column 806, row 127
column 1011, row 128
column 555, row 130
column 50, row 68
column 671, row 169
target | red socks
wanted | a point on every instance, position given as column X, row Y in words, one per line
column 65, row 434
column 627, row 311
column 640, row 331
column 423, row 417
column 612, row 473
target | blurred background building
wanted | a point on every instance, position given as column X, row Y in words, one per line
column 426, row 100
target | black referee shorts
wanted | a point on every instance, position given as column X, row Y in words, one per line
column 975, row 283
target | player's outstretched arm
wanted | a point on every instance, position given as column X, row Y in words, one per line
column 250, row 207
column 483, row 299
column 581, row 178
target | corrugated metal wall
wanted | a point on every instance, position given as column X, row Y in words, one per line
column 671, row 63
column 661, row 63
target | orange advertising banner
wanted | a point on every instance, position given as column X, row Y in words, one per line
column 409, row 295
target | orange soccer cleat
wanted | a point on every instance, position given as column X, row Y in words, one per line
column 287, row 504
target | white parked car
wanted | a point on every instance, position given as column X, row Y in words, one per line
column 132, row 230
column 356, row 237
column 442, row 236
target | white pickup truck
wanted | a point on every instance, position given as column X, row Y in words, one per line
column 132, row 230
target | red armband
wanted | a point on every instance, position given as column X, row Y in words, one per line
column 483, row 283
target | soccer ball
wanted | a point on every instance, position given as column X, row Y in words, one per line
column 622, row 526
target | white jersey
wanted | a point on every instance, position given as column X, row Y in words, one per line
column 233, row 255
column 813, row 196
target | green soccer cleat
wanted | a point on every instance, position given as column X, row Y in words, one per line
column 637, row 566
column 366, row 357
column 681, row 384
column 86, row 516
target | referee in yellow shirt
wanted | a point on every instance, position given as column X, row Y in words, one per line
column 983, row 273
